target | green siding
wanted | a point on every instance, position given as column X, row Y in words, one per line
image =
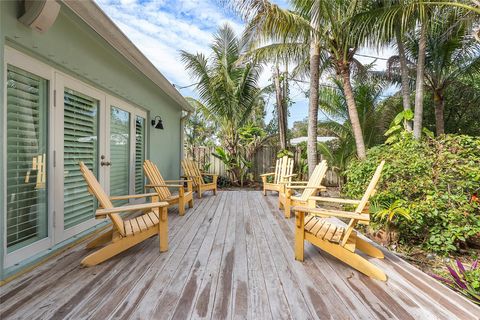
column 72, row 47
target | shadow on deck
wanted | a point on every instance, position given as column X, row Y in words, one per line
column 230, row 256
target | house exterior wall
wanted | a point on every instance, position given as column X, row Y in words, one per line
column 73, row 48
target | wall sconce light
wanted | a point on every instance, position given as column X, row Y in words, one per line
column 157, row 124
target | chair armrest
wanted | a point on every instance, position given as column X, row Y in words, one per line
column 267, row 174
column 133, row 207
column 335, row 200
column 164, row 185
column 209, row 174
column 181, row 180
column 332, row 213
column 290, row 175
column 296, row 182
column 306, row 187
column 133, row 196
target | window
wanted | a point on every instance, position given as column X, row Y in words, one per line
column 139, row 154
column 27, row 136
column 80, row 144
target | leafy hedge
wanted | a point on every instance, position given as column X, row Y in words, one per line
column 435, row 179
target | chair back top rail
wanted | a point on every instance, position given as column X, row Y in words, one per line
column 96, row 189
column 191, row 169
column 315, row 180
column 371, row 188
column 155, row 178
column 283, row 167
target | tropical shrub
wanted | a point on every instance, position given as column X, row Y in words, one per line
column 464, row 280
column 434, row 179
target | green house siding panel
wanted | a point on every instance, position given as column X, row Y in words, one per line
column 70, row 46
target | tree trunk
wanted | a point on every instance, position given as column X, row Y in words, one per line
column 281, row 114
column 439, row 104
column 404, row 76
column 418, row 120
column 313, row 106
column 352, row 110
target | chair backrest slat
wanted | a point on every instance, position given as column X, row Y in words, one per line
column 192, row 172
column 96, row 189
column 283, row 167
column 371, row 188
column 315, row 180
column 155, row 178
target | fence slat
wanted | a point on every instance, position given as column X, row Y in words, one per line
column 263, row 162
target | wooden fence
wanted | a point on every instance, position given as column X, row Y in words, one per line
column 262, row 162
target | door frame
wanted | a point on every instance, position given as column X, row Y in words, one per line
column 29, row 64
column 63, row 81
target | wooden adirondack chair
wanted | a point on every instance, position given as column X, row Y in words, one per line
column 283, row 174
column 191, row 171
column 161, row 187
column 125, row 233
column 339, row 241
column 286, row 199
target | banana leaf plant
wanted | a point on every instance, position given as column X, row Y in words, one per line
column 463, row 280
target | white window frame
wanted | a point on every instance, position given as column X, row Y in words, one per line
column 25, row 62
column 56, row 83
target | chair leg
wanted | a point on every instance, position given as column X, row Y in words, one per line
column 199, row 193
column 215, row 191
column 100, row 240
column 181, row 206
column 190, row 203
column 299, row 236
column 288, row 203
column 163, row 229
column 369, row 249
column 352, row 259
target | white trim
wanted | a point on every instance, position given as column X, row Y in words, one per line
column 63, row 81
column 57, row 81
column 24, row 62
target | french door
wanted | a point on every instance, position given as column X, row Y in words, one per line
column 100, row 131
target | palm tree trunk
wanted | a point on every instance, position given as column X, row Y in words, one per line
column 439, row 104
column 282, row 130
column 352, row 110
column 313, row 106
column 418, row 119
column 404, row 75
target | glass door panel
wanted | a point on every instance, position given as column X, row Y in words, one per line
column 27, row 136
column 119, row 152
column 81, row 118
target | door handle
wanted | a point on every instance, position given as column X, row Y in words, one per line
column 104, row 163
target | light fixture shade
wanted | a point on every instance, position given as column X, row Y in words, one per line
column 159, row 125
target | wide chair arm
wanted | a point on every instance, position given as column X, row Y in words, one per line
column 133, row 196
column 335, row 200
column 332, row 213
column 129, row 208
column 290, row 175
column 181, row 180
column 151, row 186
column 267, row 174
column 209, row 174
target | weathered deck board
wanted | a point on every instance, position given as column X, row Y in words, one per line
column 231, row 256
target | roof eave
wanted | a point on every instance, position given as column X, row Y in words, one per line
column 97, row 19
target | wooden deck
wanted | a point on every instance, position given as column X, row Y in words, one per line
column 230, row 257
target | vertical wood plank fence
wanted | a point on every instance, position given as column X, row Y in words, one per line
column 263, row 161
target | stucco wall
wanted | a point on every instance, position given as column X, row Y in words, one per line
column 73, row 48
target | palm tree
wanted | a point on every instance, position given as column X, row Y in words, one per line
column 374, row 117
column 450, row 53
column 289, row 34
column 228, row 90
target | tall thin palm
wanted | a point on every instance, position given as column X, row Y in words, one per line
column 228, row 90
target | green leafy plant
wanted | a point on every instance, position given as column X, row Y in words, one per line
column 284, row 152
column 397, row 127
column 435, row 177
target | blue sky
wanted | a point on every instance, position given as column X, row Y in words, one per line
column 160, row 28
